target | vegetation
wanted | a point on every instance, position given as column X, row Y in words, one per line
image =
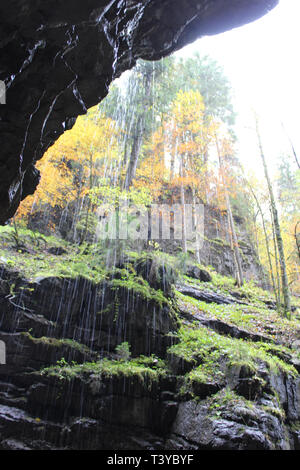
column 161, row 137
column 213, row 359
column 255, row 317
column 118, row 204
column 207, row 347
column 164, row 136
column 146, row 369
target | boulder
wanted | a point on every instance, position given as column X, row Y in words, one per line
column 198, row 273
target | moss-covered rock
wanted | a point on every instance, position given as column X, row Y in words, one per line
column 117, row 357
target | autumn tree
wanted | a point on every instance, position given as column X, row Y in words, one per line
column 144, row 101
column 189, row 134
column 72, row 167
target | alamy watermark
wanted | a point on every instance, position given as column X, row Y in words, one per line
column 2, row 92
column 2, row 353
column 156, row 222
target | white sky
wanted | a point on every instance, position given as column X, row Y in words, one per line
column 262, row 62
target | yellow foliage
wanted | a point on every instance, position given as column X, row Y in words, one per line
column 91, row 144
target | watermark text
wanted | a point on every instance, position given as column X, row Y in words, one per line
column 156, row 222
column 2, row 92
column 2, row 352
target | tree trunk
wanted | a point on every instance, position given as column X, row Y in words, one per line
column 278, row 276
column 135, row 153
column 293, row 148
column 276, row 292
column 195, row 224
column 277, row 230
column 297, row 238
column 173, row 160
column 240, row 277
column 182, row 200
column 91, row 165
column 138, row 134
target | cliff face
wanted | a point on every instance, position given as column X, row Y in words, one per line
column 216, row 249
column 211, row 367
column 59, row 57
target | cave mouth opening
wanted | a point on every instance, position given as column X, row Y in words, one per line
column 139, row 170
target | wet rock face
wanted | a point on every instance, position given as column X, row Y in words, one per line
column 241, row 429
column 77, row 321
column 59, row 57
column 216, row 249
column 98, row 316
column 74, row 325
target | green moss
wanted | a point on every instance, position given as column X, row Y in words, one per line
column 278, row 412
column 37, row 262
column 57, row 343
column 218, row 283
column 219, row 242
column 295, row 426
column 159, row 256
column 227, row 285
column 209, row 371
column 214, row 355
column 227, row 402
column 253, row 318
column 141, row 287
column 84, row 261
column 227, row 398
column 146, row 369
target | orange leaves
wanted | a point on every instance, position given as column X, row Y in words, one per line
column 93, row 135
column 179, row 150
column 55, row 186
column 75, row 162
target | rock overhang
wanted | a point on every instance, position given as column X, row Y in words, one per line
column 58, row 59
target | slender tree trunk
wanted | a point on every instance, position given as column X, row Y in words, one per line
column 205, row 175
column 293, row 148
column 173, row 160
column 123, row 162
column 240, row 277
column 138, row 135
column 256, row 235
column 182, row 200
column 195, row 224
column 276, row 258
column 229, row 231
column 78, row 205
column 91, row 164
column 125, row 152
column 297, row 238
column 135, row 153
column 276, row 291
column 278, row 237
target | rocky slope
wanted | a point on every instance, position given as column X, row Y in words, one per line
column 59, row 57
column 140, row 358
